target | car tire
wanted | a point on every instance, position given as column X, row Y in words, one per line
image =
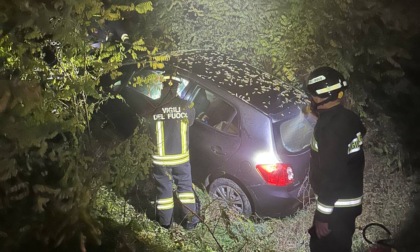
column 231, row 194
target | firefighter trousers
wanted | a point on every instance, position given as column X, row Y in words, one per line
column 165, row 176
column 342, row 226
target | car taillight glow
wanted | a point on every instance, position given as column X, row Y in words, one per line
column 276, row 174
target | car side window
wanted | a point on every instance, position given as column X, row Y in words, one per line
column 214, row 111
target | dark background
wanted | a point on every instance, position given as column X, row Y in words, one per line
column 404, row 109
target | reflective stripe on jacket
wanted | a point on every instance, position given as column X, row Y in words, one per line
column 340, row 203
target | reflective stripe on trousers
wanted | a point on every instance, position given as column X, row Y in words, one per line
column 325, row 209
column 186, row 197
column 165, row 204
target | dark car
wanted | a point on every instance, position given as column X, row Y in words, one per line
column 249, row 144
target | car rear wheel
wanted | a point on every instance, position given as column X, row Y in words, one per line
column 231, row 195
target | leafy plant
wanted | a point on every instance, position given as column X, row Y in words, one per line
column 50, row 88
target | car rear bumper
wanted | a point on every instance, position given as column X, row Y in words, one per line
column 273, row 201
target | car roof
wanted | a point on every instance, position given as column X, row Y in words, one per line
column 240, row 79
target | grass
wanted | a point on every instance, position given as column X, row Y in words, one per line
column 388, row 200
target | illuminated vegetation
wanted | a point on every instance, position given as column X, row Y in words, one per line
column 67, row 179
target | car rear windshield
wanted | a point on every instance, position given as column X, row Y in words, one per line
column 295, row 133
column 152, row 83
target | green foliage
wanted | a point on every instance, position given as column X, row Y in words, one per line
column 386, row 145
column 50, row 87
column 129, row 162
column 51, row 167
column 228, row 26
column 45, row 199
column 362, row 39
column 111, row 206
column 221, row 229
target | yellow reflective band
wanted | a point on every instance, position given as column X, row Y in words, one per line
column 354, row 145
column 186, row 195
column 184, row 126
column 172, row 162
column 171, row 157
column 187, row 201
column 165, row 206
column 324, row 208
column 329, row 89
column 187, row 198
column 165, row 201
column 160, row 136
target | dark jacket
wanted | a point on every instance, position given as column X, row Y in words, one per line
column 169, row 127
column 337, row 161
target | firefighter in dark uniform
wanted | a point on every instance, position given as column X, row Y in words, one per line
column 336, row 165
column 170, row 123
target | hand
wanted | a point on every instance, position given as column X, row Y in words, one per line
column 321, row 229
column 203, row 117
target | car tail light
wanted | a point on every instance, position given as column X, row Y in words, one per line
column 276, row 174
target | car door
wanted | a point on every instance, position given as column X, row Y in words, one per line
column 214, row 136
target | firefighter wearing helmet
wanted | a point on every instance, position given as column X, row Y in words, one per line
column 336, row 165
column 169, row 128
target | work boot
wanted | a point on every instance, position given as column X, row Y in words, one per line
column 166, row 226
column 191, row 224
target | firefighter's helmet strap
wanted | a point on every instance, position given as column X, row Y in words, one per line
column 329, row 98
